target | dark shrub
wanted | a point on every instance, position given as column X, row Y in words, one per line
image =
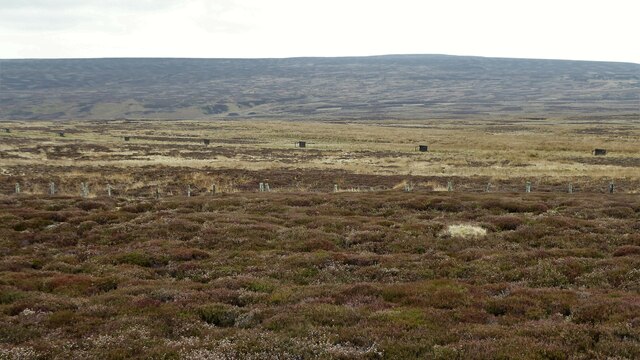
column 105, row 285
column 514, row 205
column 62, row 318
column 85, row 226
column 506, row 222
column 33, row 224
column 88, row 205
column 8, row 297
column 218, row 315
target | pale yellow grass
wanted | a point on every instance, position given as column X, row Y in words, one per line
column 466, row 231
column 541, row 149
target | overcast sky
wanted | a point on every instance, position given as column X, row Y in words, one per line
column 557, row 29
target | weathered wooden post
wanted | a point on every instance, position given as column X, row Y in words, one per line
column 17, row 188
column 486, row 189
column 213, row 189
column 52, row 188
column 528, row 187
column 109, row 190
column 408, row 186
column 158, row 192
column 335, row 187
column 84, row 190
column 188, row 190
column 261, row 187
column 266, row 187
column 449, row 185
column 570, row 188
column 611, row 187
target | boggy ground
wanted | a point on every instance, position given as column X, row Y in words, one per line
column 316, row 275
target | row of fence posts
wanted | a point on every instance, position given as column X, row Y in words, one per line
column 264, row 187
column 408, row 187
column 527, row 188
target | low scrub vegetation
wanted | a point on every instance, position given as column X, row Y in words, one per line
column 389, row 275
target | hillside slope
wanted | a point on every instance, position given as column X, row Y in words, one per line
column 401, row 86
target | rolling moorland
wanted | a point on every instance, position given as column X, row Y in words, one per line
column 364, row 88
column 360, row 250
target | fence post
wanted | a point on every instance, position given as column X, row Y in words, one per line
column 449, row 185
column 17, row 188
column 109, row 190
column 188, row 190
column 52, row 188
column 335, row 187
column 266, row 187
column 488, row 187
column 528, row 187
column 611, row 187
column 570, row 188
column 158, row 192
column 213, row 189
column 261, row 187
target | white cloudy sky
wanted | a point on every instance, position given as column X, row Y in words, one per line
column 559, row 29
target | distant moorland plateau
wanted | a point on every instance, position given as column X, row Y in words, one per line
column 352, row 88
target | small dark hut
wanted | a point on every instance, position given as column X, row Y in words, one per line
column 599, row 152
column 7, row 130
column 301, row 144
column 206, row 141
column 423, row 148
column 127, row 138
column 61, row 133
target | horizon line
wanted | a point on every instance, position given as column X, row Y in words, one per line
column 310, row 57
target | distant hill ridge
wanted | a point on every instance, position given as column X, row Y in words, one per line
column 376, row 87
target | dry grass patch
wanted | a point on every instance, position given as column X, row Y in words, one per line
column 466, row 231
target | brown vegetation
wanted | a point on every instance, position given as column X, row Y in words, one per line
column 371, row 271
column 345, row 275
